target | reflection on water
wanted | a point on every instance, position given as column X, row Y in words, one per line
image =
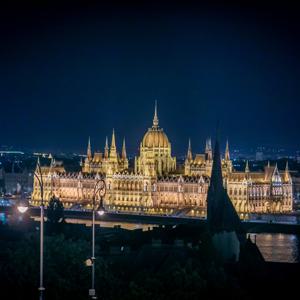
column 275, row 247
column 278, row 247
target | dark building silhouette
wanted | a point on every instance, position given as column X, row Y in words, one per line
column 223, row 221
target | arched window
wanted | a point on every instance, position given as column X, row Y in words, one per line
column 146, row 187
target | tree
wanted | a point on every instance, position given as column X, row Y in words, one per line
column 55, row 211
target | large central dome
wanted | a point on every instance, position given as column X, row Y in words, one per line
column 155, row 152
column 155, row 136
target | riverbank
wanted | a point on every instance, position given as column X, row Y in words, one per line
column 131, row 221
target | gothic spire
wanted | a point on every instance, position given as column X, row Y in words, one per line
column 38, row 165
column 106, row 148
column 124, row 155
column 247, row 170
column 113, row 149
column 221, row 214
column 113, row 140
column 208, row 149
column 227, row 153
column 189, row 153
column 52, row 161
column 155, row 119
column 89, row 150
column 287, row 172
column 287, row 166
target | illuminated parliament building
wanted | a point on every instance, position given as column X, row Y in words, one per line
column 157, row 186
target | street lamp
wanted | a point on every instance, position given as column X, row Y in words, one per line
column 100, row 189
column 23, row 207
column 101, row 209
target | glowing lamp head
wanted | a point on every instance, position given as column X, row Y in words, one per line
column 101, row 212
column 89, row 262
column 101, row 209
column 22, row 208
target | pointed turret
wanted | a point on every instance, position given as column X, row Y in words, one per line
column 38, row 165
column 206, row 145
column 106, row 148
column 287, row 175
column 155, row 118
column 52, row 162
column 223, row 221
column 247, row 170
column 113, row 149
column 287, row 166
column 208, row 149
column 89, row 150
column 189, row 155
column 124, row 155
column 227, row 153
column 113, row 140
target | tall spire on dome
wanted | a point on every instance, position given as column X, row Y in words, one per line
column 106, row 149
column 155, row 119
column 189, row 153
column 89, row 149
column 124, row 155
column 227, row 153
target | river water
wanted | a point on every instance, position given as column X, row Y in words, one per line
column 275, row 247
column 278, row 247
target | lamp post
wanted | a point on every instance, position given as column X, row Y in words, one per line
column 100, row 189
column 22, row 207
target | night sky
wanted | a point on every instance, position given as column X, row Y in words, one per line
column 75, row 70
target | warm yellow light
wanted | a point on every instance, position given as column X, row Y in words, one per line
column 89, row 262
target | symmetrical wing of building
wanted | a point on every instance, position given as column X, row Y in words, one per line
column 156, row 186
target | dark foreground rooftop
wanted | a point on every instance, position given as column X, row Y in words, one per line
column 175, row 262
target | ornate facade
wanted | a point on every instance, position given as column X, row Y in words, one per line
column 155, row 152
column 156, row 186
column 108, row 162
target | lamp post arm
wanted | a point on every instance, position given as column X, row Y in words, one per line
column 41, row 184
column 96, row 190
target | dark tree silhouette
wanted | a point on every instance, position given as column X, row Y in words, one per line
column 55, row 211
